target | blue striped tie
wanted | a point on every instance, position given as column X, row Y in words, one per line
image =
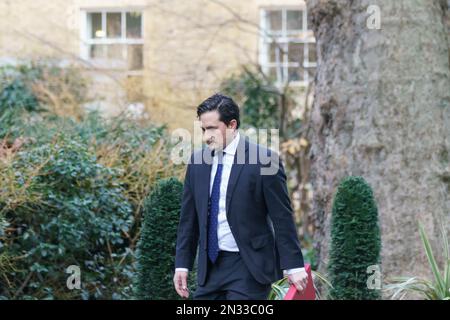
column 213, row 242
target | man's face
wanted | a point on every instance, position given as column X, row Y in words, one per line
column 215, row 131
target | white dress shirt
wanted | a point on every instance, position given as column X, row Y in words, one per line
column 224, row 235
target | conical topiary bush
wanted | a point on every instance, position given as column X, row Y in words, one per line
column 355, row 240
column 156, row 247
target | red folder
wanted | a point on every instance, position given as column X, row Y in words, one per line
column 307, row 294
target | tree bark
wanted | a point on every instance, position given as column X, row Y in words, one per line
column 382, row 110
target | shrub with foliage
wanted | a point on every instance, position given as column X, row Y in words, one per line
column 156, row 248
column 72, row 187
column 355, row 240
column 16, row 96
column 73, row 213
column 38, row 88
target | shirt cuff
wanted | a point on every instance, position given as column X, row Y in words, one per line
column 181, row 269
column 291, row 271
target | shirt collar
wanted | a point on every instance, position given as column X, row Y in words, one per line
column 232, row 146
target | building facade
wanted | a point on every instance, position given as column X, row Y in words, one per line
column 161, row 55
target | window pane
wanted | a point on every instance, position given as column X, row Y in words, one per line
column 95, row 25
column 273, row 73
column 295, row 74
column 113, row 25
column 97, row 51
column 274, row 20
column 275, row 52
column 294, row 20
column 135, row 57
column 115, row 52
column 312, row 55
column 134, row 21
column 295, row 52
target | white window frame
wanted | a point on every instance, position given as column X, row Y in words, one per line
column 283, row 39
column 86, row 41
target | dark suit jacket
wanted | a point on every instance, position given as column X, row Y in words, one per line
column 258, row 210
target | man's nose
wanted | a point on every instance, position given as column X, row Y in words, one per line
column 207, row 138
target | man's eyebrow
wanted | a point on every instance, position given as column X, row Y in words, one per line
column 209, row 127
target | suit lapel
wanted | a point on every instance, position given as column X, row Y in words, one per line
column 204, row 177
column 238, row 164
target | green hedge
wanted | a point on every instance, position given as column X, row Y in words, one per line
column 355, row 240
column 156, row 248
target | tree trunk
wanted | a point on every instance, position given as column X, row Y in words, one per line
column 382, row 110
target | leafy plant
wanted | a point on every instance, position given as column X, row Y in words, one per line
column 72, row 190
column 355, row 240
column 15, row 98
column 31, row 90
column 78, row 216
column 437, row 288
column 17, row 95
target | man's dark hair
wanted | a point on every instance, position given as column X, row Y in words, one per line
column 227, row 108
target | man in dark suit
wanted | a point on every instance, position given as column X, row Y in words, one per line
column 236, row 213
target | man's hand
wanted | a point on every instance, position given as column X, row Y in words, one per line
column 180, row 282
column 299, row 279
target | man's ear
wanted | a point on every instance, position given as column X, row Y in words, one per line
column 232, row 124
